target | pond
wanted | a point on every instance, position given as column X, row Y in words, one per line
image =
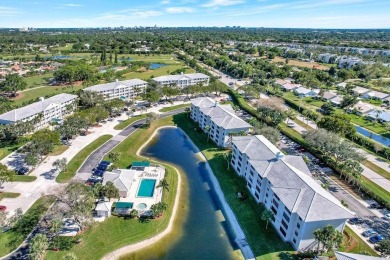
column 154, row 66
column 205, row 234
column 378, row 138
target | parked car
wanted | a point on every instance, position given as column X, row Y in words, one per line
column 387, row 216
column 355, row 221
column 376, row 239
column 369, row 233
column 102, row 167
column 375, row 206
column 105, row 163
column 22, row 171
column 3, row 208
column 98, row 173
column 231, row 83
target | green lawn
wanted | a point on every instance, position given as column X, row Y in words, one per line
column 376, row 169
column 368, row 124
column 11, row 239
column 266, row 244
column 41, row 92
column 38, row 80
column 80, row 157
column 11, row 195
column 24, row 178
column 5, row 151
column 354, row 244
column 116, row 232
column 167, row 109
column 155, row 73
column 122, row 125
column 58, row 150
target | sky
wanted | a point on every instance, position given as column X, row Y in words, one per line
column 183, row 13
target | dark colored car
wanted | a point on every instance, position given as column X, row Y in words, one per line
column 376, row 239
column 369, row 233
column 22, row 171
column 98, row 173
column 354, row 221
column 105, row 163
column 102, row 167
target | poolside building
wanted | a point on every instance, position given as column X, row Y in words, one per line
column 220, row 119
column 183, row 80
column 284, row 185
column 126, row 89
column 45, row 111
column 137, row 186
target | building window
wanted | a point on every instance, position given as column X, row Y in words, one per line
column 286, row 216
column 275, row 203
column 276, row 196
column 249, row 185
column 295, row 241
column 296, row 232
column 282, row 231
column 250, row 179
column 298, row 225
column 300, row 219
column 258, row 188
column 273, row 210
column 266, row 195
column 284, row 224
column 240, row 158
column 289, row 212
column 239, row 164
column 257, row 195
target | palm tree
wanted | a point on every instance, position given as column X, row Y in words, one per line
column 290, row 115
column 227, row 156
column 207, row 129
column 114, row 156
column 267, row 216
column 163, row 184
column 187, row 110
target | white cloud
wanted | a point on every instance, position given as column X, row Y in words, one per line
column 7, row 11
column 165, row 2
column 179, row 10
column 73, row 5
column 216, row 3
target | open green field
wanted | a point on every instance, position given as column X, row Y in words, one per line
column 116, row 232
column 38, row 80
column 43, row 91
column 4, row 195
column 58, row 150
column 167, row 109
column 11, row 239
column 122, row 125
column 80, row 157
column 155, row 73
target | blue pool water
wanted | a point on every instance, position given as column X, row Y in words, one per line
column 146, row 188
column 154, row 66
column 379, row 138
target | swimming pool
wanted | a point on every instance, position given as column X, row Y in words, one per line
column 146, row 188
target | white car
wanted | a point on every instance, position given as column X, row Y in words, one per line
column 387, row 216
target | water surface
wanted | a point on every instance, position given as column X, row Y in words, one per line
column 205, row 234
column 378, row 138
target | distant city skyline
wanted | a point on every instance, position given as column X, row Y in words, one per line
column 328, row 14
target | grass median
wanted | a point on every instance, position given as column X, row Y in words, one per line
column 11, row 239
column 168, row 109
column 122, row 125
column 116, row 232
column 9, row 195
column 352, row 243
column 80, row 157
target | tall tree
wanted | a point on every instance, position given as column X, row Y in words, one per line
column 12, row 84
column 110, row 191
column 267, row 216
column 163, row 184
column 38, row 246
column 6, row 175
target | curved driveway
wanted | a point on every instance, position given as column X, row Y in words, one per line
column 93, row 160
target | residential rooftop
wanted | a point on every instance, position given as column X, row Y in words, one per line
column 180, row 76
column 116, row 84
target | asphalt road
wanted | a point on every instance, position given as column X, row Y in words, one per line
column 93, row 160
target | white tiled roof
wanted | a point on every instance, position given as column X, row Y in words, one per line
column 116, row 84
column 36, row 108
column 291, row 181
column 180, row 77
column 350, row 256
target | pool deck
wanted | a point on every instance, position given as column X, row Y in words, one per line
column 154, row 172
